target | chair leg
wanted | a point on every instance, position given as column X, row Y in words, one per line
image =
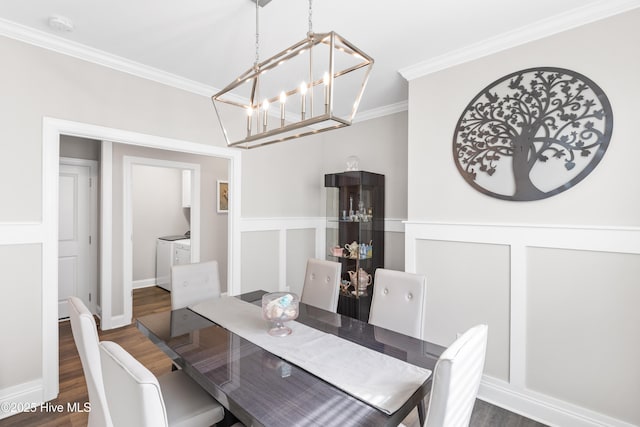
column 422, row 412
column 228, row 420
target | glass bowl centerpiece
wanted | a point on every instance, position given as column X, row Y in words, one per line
column 277, row 308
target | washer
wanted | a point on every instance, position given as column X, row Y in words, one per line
column 170, row 251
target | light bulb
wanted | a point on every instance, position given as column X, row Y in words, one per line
column 325, row 79
column 265, row 108
column 303, row 92
column 249, row 114
column 283, row 99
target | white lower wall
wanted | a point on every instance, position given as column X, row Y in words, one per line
column 566, row 367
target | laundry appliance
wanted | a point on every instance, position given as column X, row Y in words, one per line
column 170, row 251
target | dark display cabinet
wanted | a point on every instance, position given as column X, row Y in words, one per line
column 355, row 235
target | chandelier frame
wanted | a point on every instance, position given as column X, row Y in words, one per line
column 291, row 125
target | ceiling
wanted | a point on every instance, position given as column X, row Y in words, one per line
column 202, row 45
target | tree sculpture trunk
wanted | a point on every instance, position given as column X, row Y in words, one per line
column 525, row 190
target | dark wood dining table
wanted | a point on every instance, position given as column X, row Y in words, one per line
column 261, row 389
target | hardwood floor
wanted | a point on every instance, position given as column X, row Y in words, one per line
column 73, row 388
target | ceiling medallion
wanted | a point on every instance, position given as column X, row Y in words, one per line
column 533, row 134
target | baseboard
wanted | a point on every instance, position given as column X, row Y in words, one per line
column 119, row 321
column 144, row 283
column 20, row 398
column 543, row 408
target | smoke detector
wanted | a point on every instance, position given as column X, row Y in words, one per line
column 60, row 24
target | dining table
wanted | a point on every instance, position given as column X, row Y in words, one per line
column 260, row 388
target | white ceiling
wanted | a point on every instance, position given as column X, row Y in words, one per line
column 210, row 42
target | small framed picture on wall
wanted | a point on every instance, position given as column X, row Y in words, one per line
column 223, row 196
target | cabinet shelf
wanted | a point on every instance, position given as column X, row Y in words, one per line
column 329, row 256
column 348, row 221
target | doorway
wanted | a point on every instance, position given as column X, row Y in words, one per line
column 112, row 298
column 148, row 234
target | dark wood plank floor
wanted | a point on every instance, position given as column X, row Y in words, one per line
column 151, row 300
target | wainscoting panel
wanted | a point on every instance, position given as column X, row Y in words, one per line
column 260, row 261
column 570, row 295
column 467, row 284
column 583, row 328
column 300, row 247
column 21, row 362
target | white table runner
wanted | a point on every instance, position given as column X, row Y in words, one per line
column 383, row 381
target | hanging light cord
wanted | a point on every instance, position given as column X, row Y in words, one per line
column 255, row 64
column 310, row 17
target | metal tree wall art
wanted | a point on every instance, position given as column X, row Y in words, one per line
column 533, row 134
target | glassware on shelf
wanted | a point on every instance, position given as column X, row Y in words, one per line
column 353, row 163
column 278, row 308
column 351, row 207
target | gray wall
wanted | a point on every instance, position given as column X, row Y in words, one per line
column 575, row 319
column 286, row 180
column 279, row 181
column 37, row 83
column 79, row 148
column 156, row 195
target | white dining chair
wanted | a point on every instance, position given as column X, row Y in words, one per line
column 322, row 284
column 456, row 379
column 137, row 398
column 398, row 302
column 192, row 283
column 85, row 335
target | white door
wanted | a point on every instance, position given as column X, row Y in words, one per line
column 77, row 248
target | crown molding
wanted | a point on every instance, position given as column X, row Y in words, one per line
column 77, row 50
column 535, row 31
column 70, row 48
column 385, row 110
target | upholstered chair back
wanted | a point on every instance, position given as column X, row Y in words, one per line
column 322, row 284
column 192, row 283
column 85, row 335
column 398, row 302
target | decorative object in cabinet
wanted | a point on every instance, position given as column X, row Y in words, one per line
column 355, row 235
